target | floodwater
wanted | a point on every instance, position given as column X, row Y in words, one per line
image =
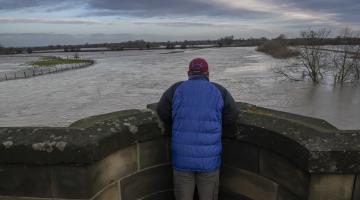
column 132, row 79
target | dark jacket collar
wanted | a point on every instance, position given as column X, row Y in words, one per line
column 198, row 77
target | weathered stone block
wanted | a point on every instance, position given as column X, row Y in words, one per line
column 284, row 173
column 28, row 181
column 154, row 152
column 284, row 194
column 71, row 182
column 93, row 120
column 114, row 167
column 147, row 127
column 110, row 193
column 22, row 198
column 240, row 155
column 336, row 161
column 285, row 115
column 356, row 193
column 146, row 182
column 165, row 195
column 51, row 146
column 331, row 187
column 248, row 184
column 232, row 196
column 274, row 141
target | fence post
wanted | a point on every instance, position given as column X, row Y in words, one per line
column 5, row 77
column 24, row 74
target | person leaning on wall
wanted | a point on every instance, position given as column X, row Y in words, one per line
column 197, row 110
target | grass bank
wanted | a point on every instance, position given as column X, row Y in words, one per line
column 53, row 61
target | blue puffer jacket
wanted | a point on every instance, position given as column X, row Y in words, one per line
column 196, row 131
column 196, row 114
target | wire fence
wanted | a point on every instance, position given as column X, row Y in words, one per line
column 38, row 71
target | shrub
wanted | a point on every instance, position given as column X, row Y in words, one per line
column 277, row 48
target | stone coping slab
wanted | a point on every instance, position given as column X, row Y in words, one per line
column 81, row 143
column 312, row 144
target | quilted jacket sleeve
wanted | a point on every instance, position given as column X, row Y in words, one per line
column 230, row 112
column 164, row 106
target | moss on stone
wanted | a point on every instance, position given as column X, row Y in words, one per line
column 91, row 121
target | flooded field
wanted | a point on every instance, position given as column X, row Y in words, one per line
column 132, row 79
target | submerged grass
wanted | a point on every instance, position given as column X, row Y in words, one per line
column 48, row 62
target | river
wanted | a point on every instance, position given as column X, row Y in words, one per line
column 132, row 79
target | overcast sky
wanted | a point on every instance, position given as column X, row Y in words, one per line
column 44, row 22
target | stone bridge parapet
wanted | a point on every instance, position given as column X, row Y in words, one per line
column 269, row 155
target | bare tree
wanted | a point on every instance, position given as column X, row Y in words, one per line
column 356, row 60
column 286, row 74
column 346, row 58
column 311, row 54
column 357, row 64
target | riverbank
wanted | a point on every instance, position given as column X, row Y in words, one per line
column 47, row 66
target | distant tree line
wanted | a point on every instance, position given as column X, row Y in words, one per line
column 226, row 41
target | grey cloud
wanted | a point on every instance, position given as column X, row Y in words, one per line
column 48, row 21
column 16, row 4
column 166, row 8
column 64, row 6
column 137, row 8
column 330, row 5
column 345, row 10
column 158, row 7
column 178, row 24
column 44, row 39
column 43, row 5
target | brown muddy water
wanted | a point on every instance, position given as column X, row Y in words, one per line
column 132, row 79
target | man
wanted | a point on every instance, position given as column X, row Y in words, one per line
column 197, row 110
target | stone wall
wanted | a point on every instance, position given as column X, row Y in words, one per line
column 269, row 155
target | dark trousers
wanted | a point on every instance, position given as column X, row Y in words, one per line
column 207, row 185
